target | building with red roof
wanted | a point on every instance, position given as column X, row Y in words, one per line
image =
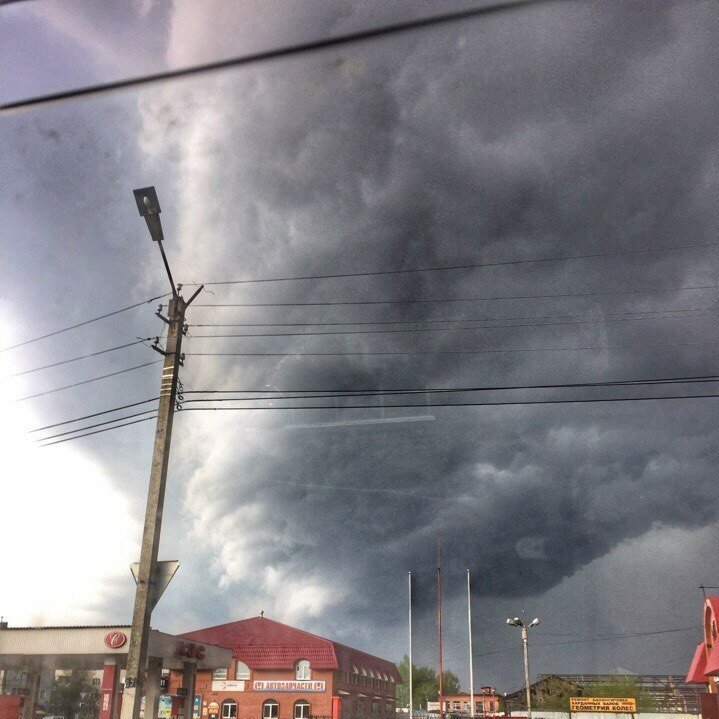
column 280, row 672
column 704, row 668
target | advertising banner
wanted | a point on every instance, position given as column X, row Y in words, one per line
column 603, row 704
column 286, row 685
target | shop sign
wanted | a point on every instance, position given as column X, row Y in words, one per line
column 196, row 706
column 213, row 709
column 228, row 686
column 115, row 640
column 281, row 685
column 603, row 704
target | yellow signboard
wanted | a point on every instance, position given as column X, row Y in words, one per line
column 602, row 704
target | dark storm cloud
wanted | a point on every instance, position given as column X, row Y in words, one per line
column 564, row 130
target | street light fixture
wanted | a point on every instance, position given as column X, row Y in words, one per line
column 517, row 622
column 149, row 207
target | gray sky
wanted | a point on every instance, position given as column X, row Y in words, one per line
column 570, row 128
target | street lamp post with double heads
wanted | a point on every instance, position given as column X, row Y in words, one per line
column 517, row 622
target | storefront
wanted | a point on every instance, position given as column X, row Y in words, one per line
column 38, row 651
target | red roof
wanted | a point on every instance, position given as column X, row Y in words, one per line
column 263, row 643
column 697, row 670
column 712, row 661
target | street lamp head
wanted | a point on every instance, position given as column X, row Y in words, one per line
column 534, row 622
column 149, row 208
column 513, row 622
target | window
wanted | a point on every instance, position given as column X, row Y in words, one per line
column 375, row 707
column 242, row 671
column 302, row 709
column 302, row 670
column 219, row 675
column 270, row 709
column 229, row 709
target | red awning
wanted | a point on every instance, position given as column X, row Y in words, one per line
column 698, row 668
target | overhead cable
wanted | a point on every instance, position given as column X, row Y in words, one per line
column 605, row 319
column 97, row 424
column 81, row 357
column 469, row 266
column 349, row 392
column 411, row 353
column 287, row 51
column 87, row 381
column 82, row 324
column 94, row 414
column 591, row 640
column 97, row 431
column 442, row 300
column 507, row 403
column 606, row 316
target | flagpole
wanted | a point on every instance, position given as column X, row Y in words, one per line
column 409, row 581
column 471, row 670
column 439, row 632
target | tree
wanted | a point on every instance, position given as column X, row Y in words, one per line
column 622, row 687
column 450, row 682
column 73, row 696
column 425, row 684
column 552, row 694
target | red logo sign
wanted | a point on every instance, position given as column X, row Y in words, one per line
column 115, row 640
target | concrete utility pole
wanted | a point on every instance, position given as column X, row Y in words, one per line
column 147, row 573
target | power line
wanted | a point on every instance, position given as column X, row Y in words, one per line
column 591, row 640
column 565, row 295
column 98, row 431
column 503, row 403
column 98, row 424
column 605, row 319
column 470, row 266
column 81, row 357
column 87, row 381
column 642, row 314
column 94, row 414
column 410, row 353
column 82, row 324
column 346, row 392
column 287, row 51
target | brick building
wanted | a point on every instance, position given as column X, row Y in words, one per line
column 486, row 701
column 279, row 672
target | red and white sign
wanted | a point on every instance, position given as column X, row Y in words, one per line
column 282, row 685
column 115, row 640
